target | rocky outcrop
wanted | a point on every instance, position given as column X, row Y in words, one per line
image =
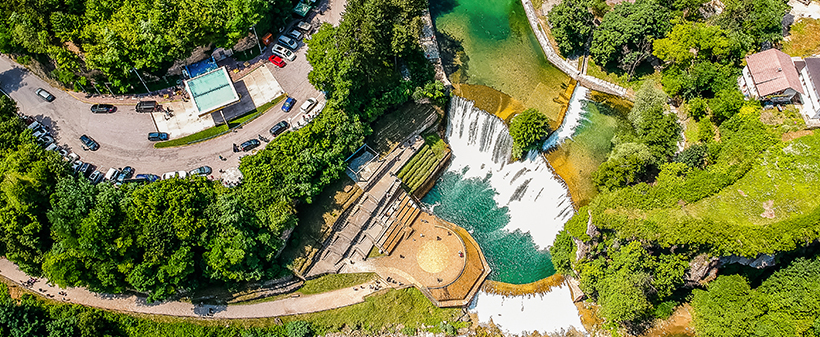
column 702, row 269
column 592, row 230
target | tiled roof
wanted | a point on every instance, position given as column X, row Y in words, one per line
column 813, row 65
column 773, row 71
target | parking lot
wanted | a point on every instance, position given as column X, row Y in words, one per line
column 123, row 135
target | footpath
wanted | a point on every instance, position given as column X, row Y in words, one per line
column 583, row 79
column 137, row 304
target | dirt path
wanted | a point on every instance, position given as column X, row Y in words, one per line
column 131, row 303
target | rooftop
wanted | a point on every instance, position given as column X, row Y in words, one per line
column 773, row 71
column 212, row 90
column 813, row 65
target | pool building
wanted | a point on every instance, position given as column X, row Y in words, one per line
column 212, row 91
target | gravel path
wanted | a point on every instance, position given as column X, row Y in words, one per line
column 131, row 303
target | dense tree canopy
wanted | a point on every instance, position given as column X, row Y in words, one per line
column 627, row 32
column 571, row 25
column 527, row 129
column 785, row 304
column 115, row 36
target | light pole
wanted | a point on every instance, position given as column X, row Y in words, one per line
column 141, row 80
column 257, row 39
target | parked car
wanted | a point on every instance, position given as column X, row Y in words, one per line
column 45, row 140
column 72, row 157
column 148, row 177
column 249, row 145
column 319, row 107
column 295, row 34
column 84, row 168
column 288, row 104
column 126, row 173
column 45, row 95
column 103, row 108
column 157, row 136
column 52, row 147
column 39, row 132
column 289, row 42
column 177, row 174
column 146, row 106
column 111, row 174
column 285, row 53
column 95, row 177
column 276, row 60
column 307, row 105
column 279, row 128
column 201, row 171
column 35, row 126
column 89, row 143
column 75, row 166
column 304, row 25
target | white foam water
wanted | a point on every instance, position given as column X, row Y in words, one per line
column 544, row 313
column 538, row 202
column 573, row 118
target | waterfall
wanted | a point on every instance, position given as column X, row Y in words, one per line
column 538, row 200
column 573, row 118
column 538, row 203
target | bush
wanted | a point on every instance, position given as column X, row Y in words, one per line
column 664, row 310
column 706, row 130
column 409, row 331
column 726, row 103
column 527, row 129
column 693, row 156
column 697, row 108
column 298, row 329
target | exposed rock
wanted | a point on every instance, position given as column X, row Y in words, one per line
column 592, row 230
column 582, row 248
column 702, row 269
column 577, row 294
column 762, row 261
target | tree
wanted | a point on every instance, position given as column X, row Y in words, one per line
column 526, row 129
column 760, row 20
column 626, row 34
column 298, row 329
column 571, row 25
column 689, row 41
column 727, row 103
column 657, row 129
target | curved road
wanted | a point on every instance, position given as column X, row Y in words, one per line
column 123, row 135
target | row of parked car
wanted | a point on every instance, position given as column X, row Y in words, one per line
column 288, row 43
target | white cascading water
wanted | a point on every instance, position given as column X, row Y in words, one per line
column 573, row 119
column 538, row 202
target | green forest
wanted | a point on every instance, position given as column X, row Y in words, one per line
column 83, row 40
column 736, row 188
column 179, row 235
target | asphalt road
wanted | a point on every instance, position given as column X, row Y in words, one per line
column 123, row 135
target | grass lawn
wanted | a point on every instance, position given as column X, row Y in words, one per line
column 786, row 181
column 319, row 285
column 644, row 72
column 804, row 38
column 219, row 129
column 691, row 132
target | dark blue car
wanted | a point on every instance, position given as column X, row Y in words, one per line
column 288, row 104
column 148, row 177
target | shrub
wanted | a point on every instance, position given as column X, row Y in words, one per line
column 409, row 331
column 697, row 108
column 526, row 129
column 298, row 329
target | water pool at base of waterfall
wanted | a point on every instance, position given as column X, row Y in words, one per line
column 469, row 202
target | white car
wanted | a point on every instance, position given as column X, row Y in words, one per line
column 76, row 166
column 72, row 157
column 53, row 147
column 177, row 174
column 295, row 34
column 291, row 43
column 307, row 105
column 283, row 52
column 111, row 174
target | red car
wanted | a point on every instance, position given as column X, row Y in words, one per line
column 277, row 61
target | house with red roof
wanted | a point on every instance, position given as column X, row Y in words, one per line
column 771, row 76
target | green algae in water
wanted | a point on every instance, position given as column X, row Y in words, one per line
column 502, row 51
column 513, row 256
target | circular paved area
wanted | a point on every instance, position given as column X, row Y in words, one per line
column 433, row 256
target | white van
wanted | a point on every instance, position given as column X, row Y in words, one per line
column 111, row 174
column 283, row 52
